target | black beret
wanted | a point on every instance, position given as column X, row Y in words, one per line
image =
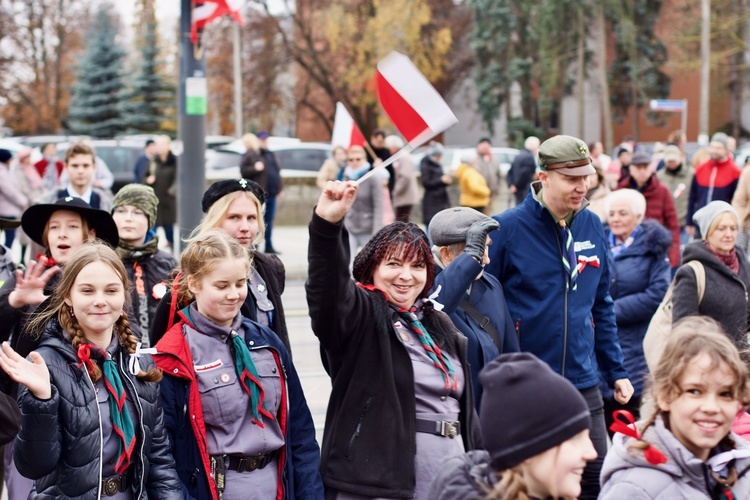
column 220, row 189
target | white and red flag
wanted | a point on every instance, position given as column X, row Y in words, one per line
column 345, row 131
column 205, row 11
column 410, row 101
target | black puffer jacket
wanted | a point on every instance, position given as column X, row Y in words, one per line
column 726, row 295
column 59, row 445
column 154, row 268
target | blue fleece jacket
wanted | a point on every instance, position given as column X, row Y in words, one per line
column 572, row 330
column 487, row 297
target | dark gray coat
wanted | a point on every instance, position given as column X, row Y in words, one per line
column 59, row 445
column 467, row 476
column 725, row 297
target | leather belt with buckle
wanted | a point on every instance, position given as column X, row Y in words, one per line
column 439, row 428
column 248, row 464
column 114, row 485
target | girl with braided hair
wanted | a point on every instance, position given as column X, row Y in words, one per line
column 685, row 448
column 92, row 424
column 400, row 402
column 234, row 408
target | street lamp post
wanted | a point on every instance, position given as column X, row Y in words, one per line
column 192, row 107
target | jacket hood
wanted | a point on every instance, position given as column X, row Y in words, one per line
column 653, row 239
column 464, row 476
column 54, row 338
column 682, row 466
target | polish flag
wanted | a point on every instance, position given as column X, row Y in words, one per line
column 205, row 11
column 345, row 132
column 410, row 101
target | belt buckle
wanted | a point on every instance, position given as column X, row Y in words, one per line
column 248, row 464
column 111, row 486
column 448, row 429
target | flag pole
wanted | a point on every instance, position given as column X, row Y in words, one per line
column 391, row 159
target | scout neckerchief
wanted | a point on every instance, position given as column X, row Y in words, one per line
column 570, row 263
column 122, row 423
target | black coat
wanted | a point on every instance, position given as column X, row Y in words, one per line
column 369, row 443
column 59, row 445
column 725, row 298
column 435, row 196
column 521, row 174
column 165, row 187
column 273, row 273
column 155, row 268
column 247, row 168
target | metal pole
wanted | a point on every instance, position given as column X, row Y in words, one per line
column 237, row 47
column 684, row 117
column 705, row 71
column 192, row 128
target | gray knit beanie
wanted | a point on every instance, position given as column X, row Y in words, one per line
column 706, row 215
column 720, row 137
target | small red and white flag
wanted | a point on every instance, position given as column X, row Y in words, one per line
column 345, row 132
column 205, row 11
column 410, row 101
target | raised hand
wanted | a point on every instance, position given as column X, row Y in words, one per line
column 33, row 374
column 30, row 284
column 336, row 200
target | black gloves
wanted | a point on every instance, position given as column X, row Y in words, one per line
column 476, row 237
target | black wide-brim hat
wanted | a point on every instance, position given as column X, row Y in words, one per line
column 35, row 218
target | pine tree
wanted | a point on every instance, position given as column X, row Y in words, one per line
column 149, row 97
column 94, row 108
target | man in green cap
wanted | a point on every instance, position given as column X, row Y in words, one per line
column 134, row 212
column 550, row 256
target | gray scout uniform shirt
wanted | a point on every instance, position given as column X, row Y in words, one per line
column 226, row 406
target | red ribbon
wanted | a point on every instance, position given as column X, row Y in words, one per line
column 50, row 261
column 651, row 454
column 583, row 261
column 84, row 354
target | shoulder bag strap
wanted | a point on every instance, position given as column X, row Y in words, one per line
column 700, row 278
column 484, row 323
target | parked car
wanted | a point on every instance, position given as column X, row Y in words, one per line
column 120, row 156
column 11, row 145
column 452, row 157
column 297, row 159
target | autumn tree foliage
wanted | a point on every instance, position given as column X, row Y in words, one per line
column 39, row 46
column 336, row 45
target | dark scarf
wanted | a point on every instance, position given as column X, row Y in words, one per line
column 730, row 260
column 133, row 253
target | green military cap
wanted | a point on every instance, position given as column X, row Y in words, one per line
column 565, row 154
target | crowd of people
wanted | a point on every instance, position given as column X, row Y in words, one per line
column 496, row 356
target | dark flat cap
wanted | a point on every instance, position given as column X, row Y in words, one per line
column 641, row 158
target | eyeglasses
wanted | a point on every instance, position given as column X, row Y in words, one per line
column 355, row 159
column 136, row 212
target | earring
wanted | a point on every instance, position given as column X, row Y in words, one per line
column 122, row 314
column 71, row 312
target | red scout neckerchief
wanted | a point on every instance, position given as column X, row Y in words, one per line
column 122, row 423
column 50, row 261
column 651, row 454
column 441, row 362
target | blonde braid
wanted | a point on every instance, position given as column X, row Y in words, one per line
column 70, row 324
column 130, row 342
column 510, row 487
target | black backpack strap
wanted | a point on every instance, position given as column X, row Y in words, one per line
column 484, row 323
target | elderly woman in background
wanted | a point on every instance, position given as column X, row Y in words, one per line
column 435, row 183
column 640, row 277
column 401, row 399
column 727, row 273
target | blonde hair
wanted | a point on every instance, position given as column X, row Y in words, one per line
column 218, row 211
column 250, row 141
column 691, row 337
column 202, row 254
column 89, row 253
column 510, row 487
